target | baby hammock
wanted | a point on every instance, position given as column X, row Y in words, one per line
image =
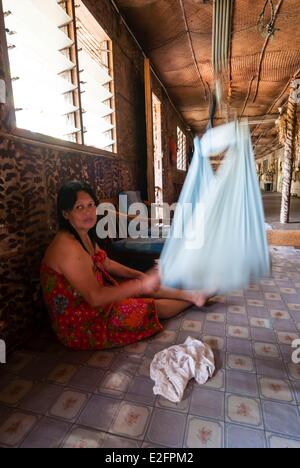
column 229, row 247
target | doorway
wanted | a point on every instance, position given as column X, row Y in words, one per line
column 158, row 156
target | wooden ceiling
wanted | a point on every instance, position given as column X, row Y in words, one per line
column 177, row 36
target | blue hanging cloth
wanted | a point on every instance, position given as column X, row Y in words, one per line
column 218, row 239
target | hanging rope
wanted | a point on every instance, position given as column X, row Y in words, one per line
column 270, row 30
column 263, row 27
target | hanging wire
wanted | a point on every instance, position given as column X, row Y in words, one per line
column 267, row 28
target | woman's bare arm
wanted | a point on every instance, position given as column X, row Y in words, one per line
column 77, row 267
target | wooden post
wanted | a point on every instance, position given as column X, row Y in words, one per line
column 289, row 153
column 149, row 129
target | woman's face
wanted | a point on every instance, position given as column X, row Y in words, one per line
column 83, row 215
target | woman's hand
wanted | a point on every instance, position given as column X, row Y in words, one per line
column 140, row 275
column 150, row 282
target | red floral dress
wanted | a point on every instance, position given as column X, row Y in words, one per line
column 80, row 326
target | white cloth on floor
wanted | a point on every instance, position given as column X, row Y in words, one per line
column 172, row 368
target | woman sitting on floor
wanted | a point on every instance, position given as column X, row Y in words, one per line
column 89, row 309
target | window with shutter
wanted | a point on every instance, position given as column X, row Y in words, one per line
column 61, row 70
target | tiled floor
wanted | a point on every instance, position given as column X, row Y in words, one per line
column 53, row 397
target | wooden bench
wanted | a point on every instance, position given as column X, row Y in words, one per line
column 284, row 238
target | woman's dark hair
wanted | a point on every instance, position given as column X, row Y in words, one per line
column 67, row 197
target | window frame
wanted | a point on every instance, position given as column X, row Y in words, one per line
column 182, row 171
column 9, row 127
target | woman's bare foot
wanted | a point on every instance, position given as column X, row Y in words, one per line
column 199, row 298
column 195, row 297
